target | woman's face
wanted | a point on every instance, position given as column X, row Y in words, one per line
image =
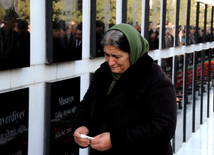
column 117, row 59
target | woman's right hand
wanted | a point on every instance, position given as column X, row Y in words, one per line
column 80, row 141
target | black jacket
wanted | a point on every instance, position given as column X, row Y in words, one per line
column 139, row 113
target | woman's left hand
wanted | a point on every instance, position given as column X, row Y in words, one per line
column 101, row 142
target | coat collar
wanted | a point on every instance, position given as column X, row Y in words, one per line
column 134, row 75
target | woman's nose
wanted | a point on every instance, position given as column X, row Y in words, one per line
column 111, row 61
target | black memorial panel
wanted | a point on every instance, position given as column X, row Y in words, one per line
column 198, row 70
column 206, row 79
column 197, row 89
column 103, row 17
column 63, row 30
column 14, row 34
column 179, row 79
column 212, row 66
column 167, row 66
column 211, row 71
column 62, row 99
column 134, row 13
column 188, row 96
column 14, row 122
column 189, row 74
column 178, row 82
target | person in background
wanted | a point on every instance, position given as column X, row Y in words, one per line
column 56, row 42
column 15, row 28
column 130, row 105
column 180, row 38
column 157, row 31
column 192, row 35
column 23, row 42
column 150, row 28
column 168, row 39
column 99, row 36
column 8, row 43
column 153, row 41
column 78, row 42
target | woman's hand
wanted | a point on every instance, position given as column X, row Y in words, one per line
column 80, row 141
column 101, row 142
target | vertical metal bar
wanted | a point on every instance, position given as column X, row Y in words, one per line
column 185, row 95
column 208, row 93
column 47, row 119
column 162, row 63
column 124, row 11
column 174, row 78
column 211, row 37
column 202, row 86
column 177, row 22
column 194, row 89
column 93, row 30
column 49, row 31
column 146, row 22
column 197, row 20
column 163, row 24
column 188, row 22
column 205, row 24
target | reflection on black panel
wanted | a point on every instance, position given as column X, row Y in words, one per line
column 179, row 80
column 201, row 22
column 212, row 36
column 134, row 11
column 67, row 30
column 212, row 64
column 210, row 85
column 14, row 122
column 208, row 23
column 14, row 34
column 167, row 67
column 189, row 73
column 170, row 25
column 62, row 105
column 154, row 24
column 198, row 69
column 105, row 19
column 192, row 27
column 182, row 23
column 206, row 65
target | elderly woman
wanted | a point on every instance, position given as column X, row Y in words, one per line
column 130, row 106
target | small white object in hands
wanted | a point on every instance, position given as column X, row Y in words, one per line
column 86, row 137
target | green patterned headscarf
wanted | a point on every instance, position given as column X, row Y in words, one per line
column 138, row 46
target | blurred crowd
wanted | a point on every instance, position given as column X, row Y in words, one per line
column 194, row 37
column 14, row 42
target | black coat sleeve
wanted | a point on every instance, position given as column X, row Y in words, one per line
column 83, row 111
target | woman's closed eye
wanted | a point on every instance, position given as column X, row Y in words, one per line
column 106, row 54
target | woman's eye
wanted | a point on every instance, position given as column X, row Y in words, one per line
column 106, row 54
column 116, row 56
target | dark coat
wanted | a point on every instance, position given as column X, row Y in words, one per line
column 139, row 113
